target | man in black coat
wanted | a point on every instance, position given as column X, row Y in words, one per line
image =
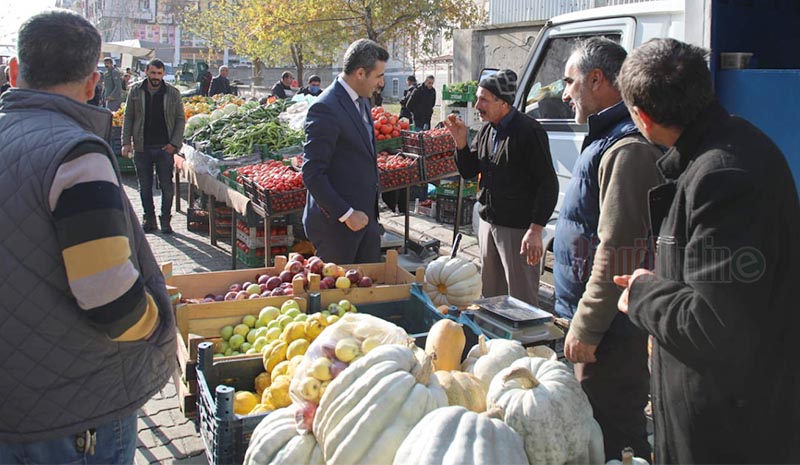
column 411, row 85
column 421, row 103
column 220, row 84
column 722, row 303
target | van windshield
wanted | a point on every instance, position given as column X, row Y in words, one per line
column 543, row 97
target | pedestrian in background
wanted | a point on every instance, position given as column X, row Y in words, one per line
column 340, row 166
column 518, row 187
column 220, row 84
column 603, row 230
column 6, row 83
column 112, row 85
column 154, row 123
column 88, row 328
column 314, row 87
column 421, row 103
column 411, row 85
column 722, row 303
column 283, row 88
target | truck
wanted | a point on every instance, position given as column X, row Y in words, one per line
column 753, row 60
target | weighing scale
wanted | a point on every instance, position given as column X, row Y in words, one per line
column 510, row 318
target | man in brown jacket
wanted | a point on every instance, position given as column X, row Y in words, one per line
column 604, row 225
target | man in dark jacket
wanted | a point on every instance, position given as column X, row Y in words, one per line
column 603, row 226
column 421, row 103
column 722, row 304
column 518, row 188
column 220, row 84
column 205, row 83
column 411, row 85
column 283, row 88
column 314, row 87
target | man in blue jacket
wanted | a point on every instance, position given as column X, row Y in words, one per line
column 340, row 168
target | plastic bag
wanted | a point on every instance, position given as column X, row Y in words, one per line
column 332, row 352
column 295, row 116
column 203, row 163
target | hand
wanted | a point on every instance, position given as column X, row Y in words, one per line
column 126, row 151
column 357, row 221
column 578, row 352
column 458, row 129
column 626, row 281
column 531, row 247
column 169, row 148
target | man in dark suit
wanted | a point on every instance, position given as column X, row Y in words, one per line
column 340, row 168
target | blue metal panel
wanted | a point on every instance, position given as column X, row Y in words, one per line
column 751, row 94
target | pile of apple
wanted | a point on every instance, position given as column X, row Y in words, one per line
column 333, row 275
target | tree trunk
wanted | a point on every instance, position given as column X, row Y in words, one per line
column 297, row 58
column 258, row 72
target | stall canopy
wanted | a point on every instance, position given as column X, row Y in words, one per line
column 128, row 47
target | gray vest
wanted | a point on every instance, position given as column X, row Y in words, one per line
column 59, row 375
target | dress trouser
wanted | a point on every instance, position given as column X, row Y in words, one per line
column 617, row 386
column 504, row 270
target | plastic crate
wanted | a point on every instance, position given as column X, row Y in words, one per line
column 409, row 176
column 281, row 202
column 126, row 165
column 428, row 143
column 468, row 96
column 439, row 166
column 446, row 210
column 451, row 189
column 197, row 220
column 389, row 144
column 255, row 242
column 230, row 178
column 225, row 434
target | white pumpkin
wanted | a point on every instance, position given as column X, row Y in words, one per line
column 456, row 436
column 487, row 358
column 452, row 281
column 545, row 404
column 628, row 458
column 463, row 389
column 276, row 441
column 369, row 409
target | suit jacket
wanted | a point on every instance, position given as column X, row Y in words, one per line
column 340, row 163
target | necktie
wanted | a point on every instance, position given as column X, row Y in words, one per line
column 362, row 104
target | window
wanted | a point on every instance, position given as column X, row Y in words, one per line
column 395, row 87
column 543, row 99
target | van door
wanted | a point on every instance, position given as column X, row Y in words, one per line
column 542, row 85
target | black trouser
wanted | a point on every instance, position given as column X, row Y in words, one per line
column 617, row 386
column 164, row 164
column 396, row 200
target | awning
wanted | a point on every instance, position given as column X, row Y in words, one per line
column 129, row 47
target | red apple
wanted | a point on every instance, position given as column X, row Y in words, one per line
column 329, row 281
column 230, row 296
column 219, row 298
column 353, row 275
column 337, row 367
column 315, row 265
column 208, row 299
column 210, row 296
column 235, row 287
column 329, row 349
column 254, row 296
column 274, row 282
column 286, row 276
column 263, row 279
column 277, row 292
column 323, row 285
column 294, row 266
column 241, row 295
column 246, row 284
column 301, row 277
column 365, row 281
column 266, row 293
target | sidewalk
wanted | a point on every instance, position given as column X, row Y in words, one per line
column 165, row 435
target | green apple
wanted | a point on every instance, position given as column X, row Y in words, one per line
column 260, row 324
column 284, row 320
column 236, row 352
column 250, row 321
column 260, row 332
column 220, row 347
column 345, row 304
column 236, row 341
column 226, row 332
column 327, row 313
column 353, row 309
column 274, row 324
column 245, row 347
column 301, row 317
column 268, row 314
column 291, row 303
column 251, row 336
column 253, row 289
column 251, row 351
column 228, row 352
column 241, row 329
column 273, row 333
column 260, row 343
column 292, row 312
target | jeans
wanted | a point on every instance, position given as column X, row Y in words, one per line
column 116, row 444
column 164, row 164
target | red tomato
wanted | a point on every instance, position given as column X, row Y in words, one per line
column 395, row 133
column 386, row 129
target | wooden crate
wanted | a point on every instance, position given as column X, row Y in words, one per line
column 391, row 283
column 198, row 323
column 198, row 285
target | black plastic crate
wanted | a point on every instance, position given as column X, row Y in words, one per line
column 446, row 207
column 225, row 434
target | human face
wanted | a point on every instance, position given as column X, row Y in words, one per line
column 490, row 108
column 108, row 64
column 154, row 76
column 287, row 81
column 429, row 83
column 578, row 93
column 366, row 83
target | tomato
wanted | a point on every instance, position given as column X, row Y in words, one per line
column 395, row 133
column 392, row 120
column 386, row 129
